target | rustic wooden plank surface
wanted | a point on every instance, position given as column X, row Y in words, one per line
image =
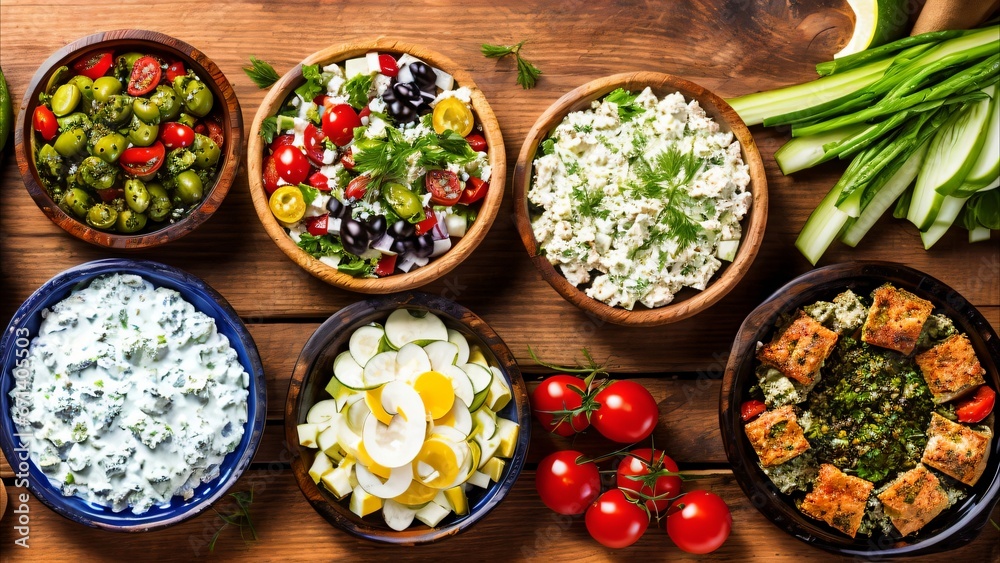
column 731, row 46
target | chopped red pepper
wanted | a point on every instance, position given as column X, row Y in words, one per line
column 317, row 226
column 386, row 265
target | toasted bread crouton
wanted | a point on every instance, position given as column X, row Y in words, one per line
column 800, row 350
column 915, row 498
column 777, row 436
column 956, row 450
column 951, row 369
column 895, row 319
column 838, row 499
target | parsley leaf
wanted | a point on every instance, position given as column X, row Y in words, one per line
column 626, row 103
column 358, row 267
column 314, row 83
column 527, row 73
column 261, row 72
column 388, row 160
column 309, row 193
column 357, row 90
column 548, row 146
column 268, row 129
column 317, row 246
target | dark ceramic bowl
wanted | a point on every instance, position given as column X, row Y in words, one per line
column 313, row 370
column 954, row 527
column 24, row 327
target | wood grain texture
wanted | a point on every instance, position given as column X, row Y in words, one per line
column 731, row 47
column 688, row 302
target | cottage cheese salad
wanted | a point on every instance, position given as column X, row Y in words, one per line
column 132, row 396
column 639, row 197
column 376, row 164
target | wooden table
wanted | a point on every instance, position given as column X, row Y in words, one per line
column 732, row 47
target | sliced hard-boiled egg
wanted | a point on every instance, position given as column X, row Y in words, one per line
column 367, row 461
column 397, row 443
column 438, row 464
column 373, row 398
column 437, row 393
column 417, row 494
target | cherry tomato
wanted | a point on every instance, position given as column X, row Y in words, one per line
column 615, row 521
column 280, row 141
column 312, row 138
column 44, row 121
column 976, row 407
column 560, row 393
column 94, row 66
column 752, row 409
column 365, row 112
column 443, row 186
column 628, row 413
column 475, row 190
column 565, row 486
column 110, row 194
column 423, row 227
column 477, row 142
column 146, row 74
column 320, row 99
column 317, row 226
column 339, row 122
column 386, row 265
column 174, row 70
column 143, row 161
column 649, row 466
column 356, row 188
column 287, row 204
column 215, row 133
column 292, row 165
column 388, row 65
column 319, row 181
column 270, row 175
column 453, row 114
column 347, row 160
column 699, row 522
column 176, row 135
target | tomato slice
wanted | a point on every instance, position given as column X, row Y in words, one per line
column 317, row 226
column 348, row 160
column 424, row 227
column 388, row 65
column 475, row 190
column 752, row 409
column 110, row 194
column 319, row 181
column 477, row 142
column 271, row 176
column 453, row 114
column 215, row 133
column 288, row 204
column 143, row 162
column 174, row 70
column 94, row 66
column 977, row 407
column 145, row 76
column 356, row 188
column 44, row 121
column 313, row 137
column 443, row 186
column 386, row 265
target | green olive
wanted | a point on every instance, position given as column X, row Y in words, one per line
column 72, row 142
column 127, row 60
column 97, row 173
column 105, row 87
column 65, row 100
column 167, row 102
column 77, row 202
column 142, row 134
column 194, row 94
column 56, row 78
column 179, row 160
column 110, row 147
column 49, row 162
column 129, row 221
column 102, row 216
column 188, row 187
column 159, row 202
column 187, row 119
column 86, row 87
column 146, row 110
column 75, row 119
column 206, row 152
column 404, row 202
column 115, row 112
column 136, row 195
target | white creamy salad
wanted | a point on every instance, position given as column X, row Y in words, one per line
column 132, row 395
column 639, row 197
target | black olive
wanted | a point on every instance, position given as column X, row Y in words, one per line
column 401, row 229
column 400, row 246
column 406, row 91
column 423, row 75
column 353, row 236
column 402, row 112
column 336, row 207
column 424, row 246
column 376, row 226
column 388, row 96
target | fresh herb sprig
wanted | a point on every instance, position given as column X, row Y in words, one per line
column 662, row 179
column 261, row 72
column 240, row 518
column 527, row 73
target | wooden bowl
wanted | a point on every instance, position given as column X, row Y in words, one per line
column 438, row 266
column 957, row 525
column 688, row 301
column 313, row 370
column 226, row 106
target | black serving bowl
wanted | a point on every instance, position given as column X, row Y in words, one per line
column 954, row 527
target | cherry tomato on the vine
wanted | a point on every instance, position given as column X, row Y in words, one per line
column 615, row 521
column 699, row 522
column 565, row 486
column 642, row 474
column 627, row 413
column 554, row 395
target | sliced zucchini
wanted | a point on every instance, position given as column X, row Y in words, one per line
column 411, row 361
column 327, row 439
column 458, row 339
column 480, row 480
column 480, row 376
column 322, row 411
column 366, row 342
column 397, row 483
column 499, row 393
column 441, row 353
column 494, row 468
column 476, row 357
column 349, row 372
column 379, row 370
column 420, row 327
column 484, row 423
column 457, row 500
column 460, row 382
column 508, row 431
column 398, row 516
column 479, row 399
column 338, row 481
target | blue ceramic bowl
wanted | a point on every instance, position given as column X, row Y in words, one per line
column 23, row 328
column 313, row 370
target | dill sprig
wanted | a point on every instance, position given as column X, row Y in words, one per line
column 240, row 517
column 261, row 72
column 527, row 73
column 663, row 178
